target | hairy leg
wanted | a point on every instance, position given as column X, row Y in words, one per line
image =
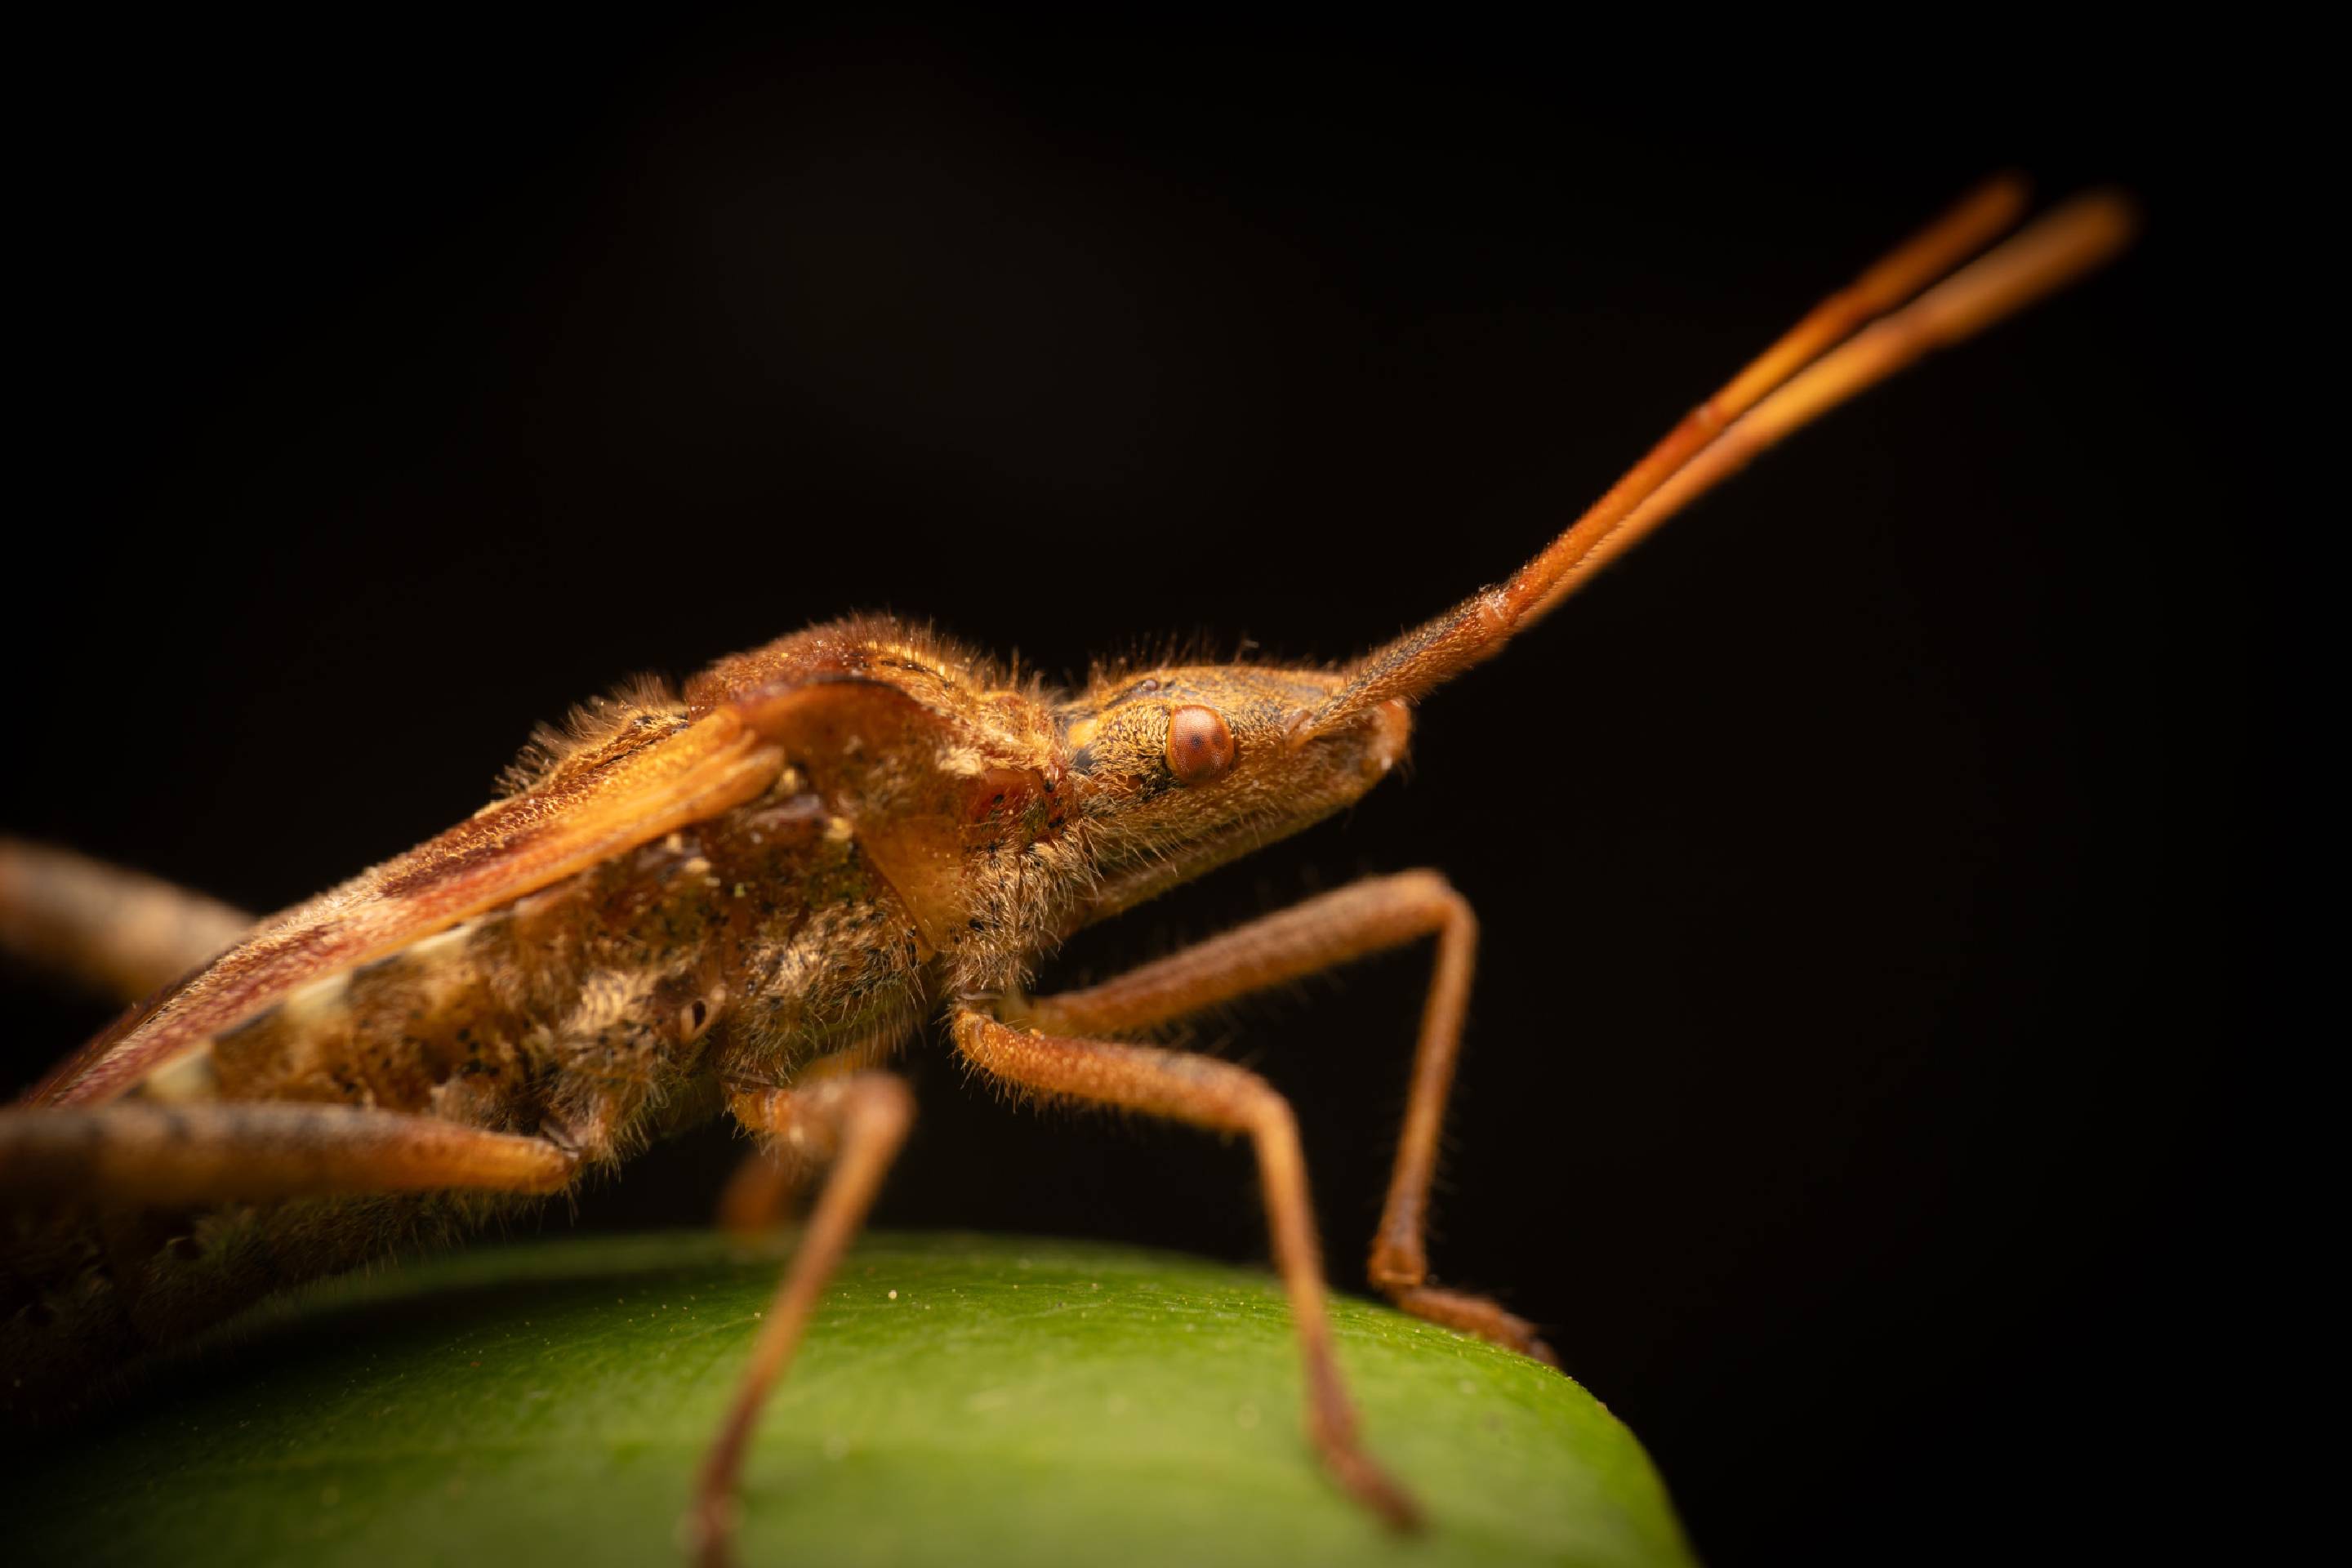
column 857, row 1120
column 1367, row 917
column 1217, row 1095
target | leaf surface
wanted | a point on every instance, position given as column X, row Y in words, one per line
column 1015, row 1400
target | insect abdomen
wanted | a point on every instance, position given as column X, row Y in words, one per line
column 593, row 1012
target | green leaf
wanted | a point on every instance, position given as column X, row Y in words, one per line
column 960, row 1399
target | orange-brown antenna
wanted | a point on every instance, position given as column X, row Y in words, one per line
column 1819, row 364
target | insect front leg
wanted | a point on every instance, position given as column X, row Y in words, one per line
column 857, row 1121
column 1367, row 917
column 120, row 932
column 1209, row 1093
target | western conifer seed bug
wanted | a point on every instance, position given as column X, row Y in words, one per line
column 746, row 895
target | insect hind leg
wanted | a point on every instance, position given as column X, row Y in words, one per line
column 118, row 932
column 82, row 1300
column 127, row 1155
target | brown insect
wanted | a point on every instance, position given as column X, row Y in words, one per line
column 749, row 894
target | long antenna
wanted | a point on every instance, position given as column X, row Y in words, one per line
column 1817, row 366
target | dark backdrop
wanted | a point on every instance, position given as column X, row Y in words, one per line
column 1858, row 861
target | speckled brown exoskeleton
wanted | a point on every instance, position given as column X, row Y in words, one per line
column 746, row 895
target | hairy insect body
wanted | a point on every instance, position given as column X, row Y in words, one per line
column 599, row 1012
column 929, row 831
column 581, row 1011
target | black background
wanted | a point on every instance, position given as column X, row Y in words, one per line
column 1861, row 863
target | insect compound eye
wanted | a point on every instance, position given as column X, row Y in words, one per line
column 1200, row 748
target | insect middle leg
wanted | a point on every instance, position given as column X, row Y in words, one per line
column 1209, row 1093
column 857, row 1121
column 1352, row 922
column 796, row 1138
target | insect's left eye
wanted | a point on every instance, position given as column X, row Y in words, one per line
column 1200, row 747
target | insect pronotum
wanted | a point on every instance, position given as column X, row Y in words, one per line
column 749, row 894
